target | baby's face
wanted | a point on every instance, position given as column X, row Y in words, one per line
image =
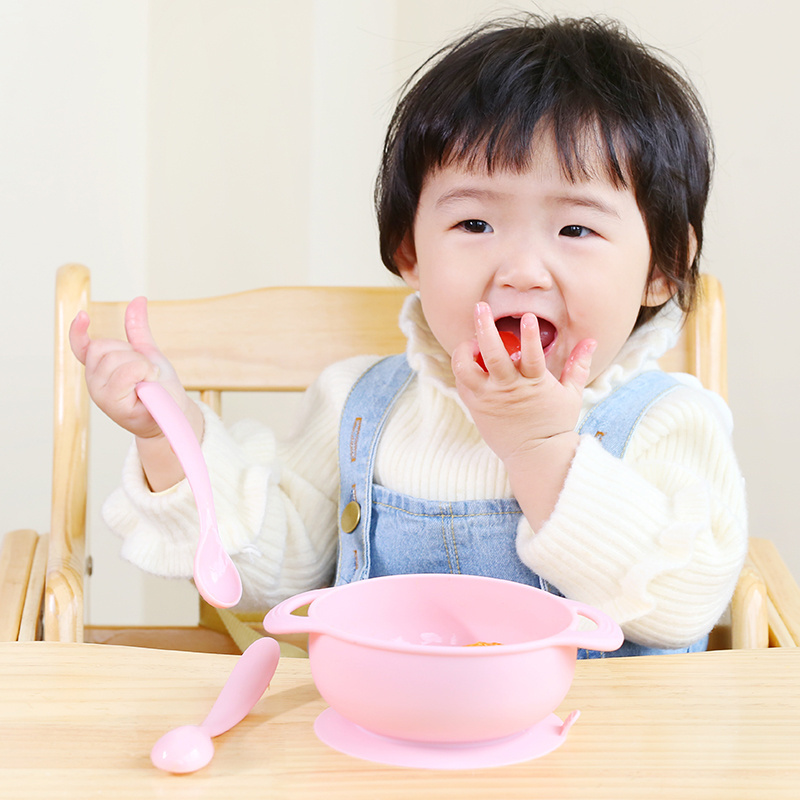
column 574, row 254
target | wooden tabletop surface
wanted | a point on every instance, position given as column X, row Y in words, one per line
column 78, row 721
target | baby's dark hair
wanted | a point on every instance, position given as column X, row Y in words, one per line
column 480, row 101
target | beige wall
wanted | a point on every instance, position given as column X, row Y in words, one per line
column 188, row 147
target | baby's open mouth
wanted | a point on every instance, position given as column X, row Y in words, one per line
column 547, row 331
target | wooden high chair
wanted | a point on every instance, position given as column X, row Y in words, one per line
column 240, row 343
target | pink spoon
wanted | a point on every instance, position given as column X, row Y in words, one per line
column 215, row 575
column 189, row 747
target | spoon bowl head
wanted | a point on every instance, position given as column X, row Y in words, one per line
column 215, row 575
column 184, row 749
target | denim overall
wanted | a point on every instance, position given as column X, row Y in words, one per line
column 385, row 533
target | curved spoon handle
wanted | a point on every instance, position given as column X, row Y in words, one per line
column 244, row 687
column 178, row 432
column 215, row 575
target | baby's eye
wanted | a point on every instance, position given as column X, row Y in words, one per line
column 575, row 231
column 475, row 226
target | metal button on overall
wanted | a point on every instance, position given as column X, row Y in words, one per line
column 351, row 516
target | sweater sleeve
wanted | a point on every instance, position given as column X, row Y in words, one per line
column 656, row 539
column 276, row 499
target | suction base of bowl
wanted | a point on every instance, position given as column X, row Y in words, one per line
column 349, row 738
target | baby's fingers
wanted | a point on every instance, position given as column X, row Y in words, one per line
column 576, row 371
column 141, row 339
column 532, row 364
column 79, row 339
column 494, row 354
column 465, row 369
column 137, row 329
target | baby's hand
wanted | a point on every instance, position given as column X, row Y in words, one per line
column 516, row 403
column 114, row 367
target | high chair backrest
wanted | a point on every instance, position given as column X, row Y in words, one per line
column 271, row 339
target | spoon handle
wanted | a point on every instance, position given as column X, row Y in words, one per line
column 215, row 574
column 178, row 432
column 244, row 687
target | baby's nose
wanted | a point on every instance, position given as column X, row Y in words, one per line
column 525, row 269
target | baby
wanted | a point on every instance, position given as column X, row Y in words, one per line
column 542, row 178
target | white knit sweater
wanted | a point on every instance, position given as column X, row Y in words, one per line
column 656, row 539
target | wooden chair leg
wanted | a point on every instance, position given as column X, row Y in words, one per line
column 31, row 622
column 16, row 559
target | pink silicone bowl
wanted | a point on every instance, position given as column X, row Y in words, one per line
column 390, row 653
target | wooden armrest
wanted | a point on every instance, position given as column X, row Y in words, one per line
column 749, row 610
column 782, row 591
column 16, row 560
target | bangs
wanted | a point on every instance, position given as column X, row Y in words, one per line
column 588, row 148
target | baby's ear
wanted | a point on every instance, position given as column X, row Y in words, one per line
column 405, row 258
column 658, row 290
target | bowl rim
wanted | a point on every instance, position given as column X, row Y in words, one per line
column 455, row 651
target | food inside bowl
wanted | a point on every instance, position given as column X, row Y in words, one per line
column 483, row 644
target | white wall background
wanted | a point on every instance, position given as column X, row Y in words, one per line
column 192, row 147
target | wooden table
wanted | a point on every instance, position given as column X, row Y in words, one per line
column 78, row 721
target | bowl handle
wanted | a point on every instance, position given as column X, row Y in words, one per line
column 280, row 618
column 606, row 636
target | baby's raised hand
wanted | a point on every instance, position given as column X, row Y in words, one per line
column 516, row 403
column 524, row 413
column 114, row 367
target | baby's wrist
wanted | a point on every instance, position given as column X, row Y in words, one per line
column 542, row 452
column 160, row 465
column 537, row 475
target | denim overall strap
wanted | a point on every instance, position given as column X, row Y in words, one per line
column 371, row 399
column 614, row 420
